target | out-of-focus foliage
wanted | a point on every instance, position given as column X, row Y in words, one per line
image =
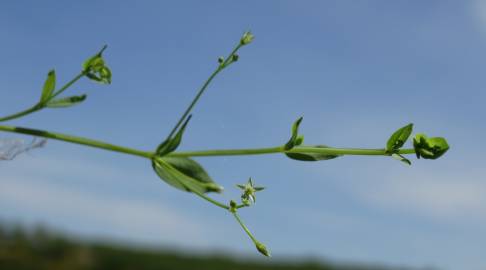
column 42, row 250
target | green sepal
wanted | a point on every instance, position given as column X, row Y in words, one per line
column 429, row 148
column 398, row 138
column 294, row 139
column 49, row 86
column 401, row 158
column 185, row 174
column 66, row 101
column 172, row 143
column 312, row 156
column 102, row 76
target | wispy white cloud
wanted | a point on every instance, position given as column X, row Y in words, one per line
column 453, row 194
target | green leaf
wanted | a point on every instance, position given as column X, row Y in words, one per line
column 66, row 101
column 294, row 139
column 429, row 148
column 312, row 156
column 49, row 86
column 171, row 144
column 401, row 158
column 185, row 174
column 398, row 138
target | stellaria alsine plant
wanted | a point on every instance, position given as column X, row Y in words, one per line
column 179, row 170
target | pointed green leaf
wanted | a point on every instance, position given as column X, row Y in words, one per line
column 398, row 138
column 429, row 148
column 171, row 144
column 184, row 174
column 49, row 86
column 65, row 102
column 294, row 139
column 312, row 156
column 401, row 158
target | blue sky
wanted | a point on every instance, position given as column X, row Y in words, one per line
column 355, row 70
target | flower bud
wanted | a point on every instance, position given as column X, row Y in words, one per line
column 429, row 148
column 247, row 38
column 262, row 249
column 96, row 69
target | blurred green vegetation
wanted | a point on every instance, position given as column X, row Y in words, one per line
column 38, row 249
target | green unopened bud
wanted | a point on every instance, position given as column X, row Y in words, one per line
column 262, row 249
column 429, row 148
column 233, row 206
column 221, row 60
column 95, row 68
column 247, row 38
column 235, row 57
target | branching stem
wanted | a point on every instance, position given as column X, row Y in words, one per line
column 223, row 152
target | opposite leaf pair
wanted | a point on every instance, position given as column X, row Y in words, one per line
column 297, row 140
column 48, row 95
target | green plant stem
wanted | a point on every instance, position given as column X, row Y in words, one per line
column 203, row 88
column 211, row 200
column 298, row 149
column 77, row 140
column 237, row 217
column 224, row 152
column 40, row 106
column 22, row 113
